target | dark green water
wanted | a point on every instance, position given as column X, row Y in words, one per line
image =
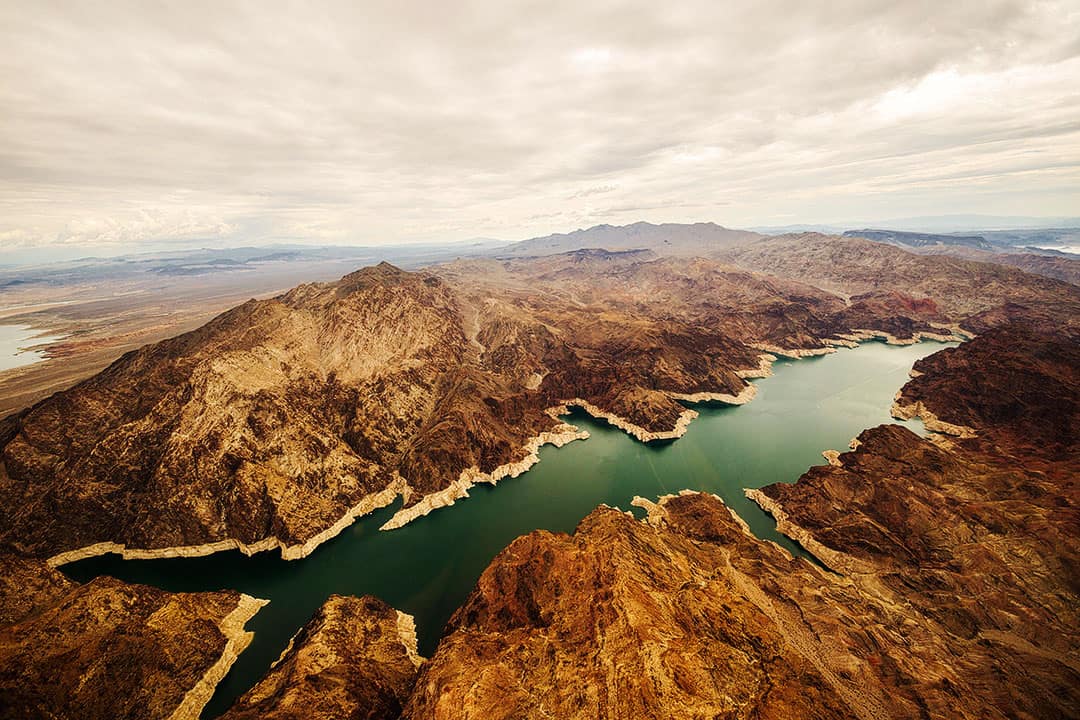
column 428, row 567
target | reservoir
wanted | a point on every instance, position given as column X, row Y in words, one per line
column 16, row 343
column 428, row 567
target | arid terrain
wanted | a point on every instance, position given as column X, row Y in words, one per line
column 946, row 583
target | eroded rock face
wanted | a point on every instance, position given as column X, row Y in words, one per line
column 951, row 590
column 280, row 421
column 355, row 659
column 684, row 617
column 107, row 649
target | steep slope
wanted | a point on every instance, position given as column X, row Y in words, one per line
column 110, row 650
column 267, row 426
column 355, row 659
column 951, row 589
column 282, row 420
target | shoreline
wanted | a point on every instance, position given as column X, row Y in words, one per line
column 369, row 503
column 834, row 560
column 237, row 640
column 558, row 436
column 930, row 421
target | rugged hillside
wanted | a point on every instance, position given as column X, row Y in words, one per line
column 280, row 421
column 1059, row 266
column 947, row 585
column 110, row 650
column 853, row 266
column 355, row 659
column 922, row 240
column 951, row 589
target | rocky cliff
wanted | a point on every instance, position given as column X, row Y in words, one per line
column 278, row 423
column 948, row 586
column 355, row 659
column 111, row 650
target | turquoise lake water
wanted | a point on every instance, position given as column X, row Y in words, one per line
column 428, row 567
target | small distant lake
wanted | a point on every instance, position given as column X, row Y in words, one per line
column 428, row 567
column 16, row 343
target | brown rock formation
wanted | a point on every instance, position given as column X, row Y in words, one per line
column 111, row 650
column 280, row 421
column 355, row 659
column 952, row 590
column 854, row 266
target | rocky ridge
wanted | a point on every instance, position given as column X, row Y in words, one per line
column 280, row 421
column 112, row 650
column 355, row 659
column 950, row 588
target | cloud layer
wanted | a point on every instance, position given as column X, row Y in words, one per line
column 131, row 123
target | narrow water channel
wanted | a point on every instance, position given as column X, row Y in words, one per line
column 428, row 567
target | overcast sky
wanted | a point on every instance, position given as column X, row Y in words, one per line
column 124, row 125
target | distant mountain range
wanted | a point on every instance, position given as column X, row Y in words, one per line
column 947, row 224
column 665, row 239
column 919, row 240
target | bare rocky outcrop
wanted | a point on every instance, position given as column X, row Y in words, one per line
column 355, row 659
column 948, row 587
column 108, row 649
column 280, row 422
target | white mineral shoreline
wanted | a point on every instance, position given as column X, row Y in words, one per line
column 472, row 476
column 406, row 627
column 367, row 504
column 559, row 436
column 929, row 420
column 236, row 641
column 832, row 559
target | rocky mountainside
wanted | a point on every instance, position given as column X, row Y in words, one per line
column 1048, row 263
column 853, row 266
column 111, row 650
column 946, row 577
column 920, row 240
column 355, row 659
column 282, row 420
column 950, row 588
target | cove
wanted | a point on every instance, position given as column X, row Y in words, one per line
column 428, row 567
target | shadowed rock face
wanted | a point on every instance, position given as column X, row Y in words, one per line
column 1020, row 389
column 355, row 659
column 111, row 650
column 281, row 420
column 952, row 589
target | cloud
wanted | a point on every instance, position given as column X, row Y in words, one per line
column 382, row 121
